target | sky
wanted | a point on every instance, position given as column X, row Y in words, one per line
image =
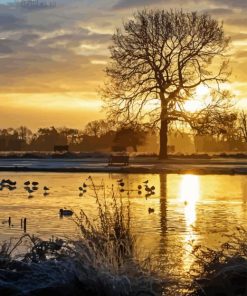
column 52, row 60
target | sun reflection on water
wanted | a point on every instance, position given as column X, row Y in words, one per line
column 189, row 195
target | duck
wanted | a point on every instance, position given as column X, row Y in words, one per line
column 145, row 182
column 46, row 188
column 30, row 191
column 27, row 183
column 148, row 189
column 11, row 188
column 139, row 187
column 11, row 183
column 35, row 183
column 64, row 212
column 150, row 210
column 8, row 181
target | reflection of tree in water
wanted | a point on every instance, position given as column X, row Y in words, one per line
column 163, row 204
column 163, row 216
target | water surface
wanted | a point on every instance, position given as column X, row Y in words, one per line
column 187, row 208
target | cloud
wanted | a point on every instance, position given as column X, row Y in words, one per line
column 65, row 49
column 219, row 11
column 241, row 54
column 52, row 50
column 122, row 4
column 237, row 22
column 217, row 4
column 231, row 3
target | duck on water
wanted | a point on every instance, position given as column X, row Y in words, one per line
column 64, row 212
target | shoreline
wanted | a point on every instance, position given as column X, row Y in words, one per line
column 136, row 166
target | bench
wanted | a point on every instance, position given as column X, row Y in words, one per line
column 61, row 148
column 119, row 159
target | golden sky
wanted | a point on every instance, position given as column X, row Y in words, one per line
column 52, row 60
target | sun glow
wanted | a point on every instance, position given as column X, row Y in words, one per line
column 189, row 195
column 196, row 103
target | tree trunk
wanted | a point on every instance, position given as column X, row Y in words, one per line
column 163, row 139
column 163, row 128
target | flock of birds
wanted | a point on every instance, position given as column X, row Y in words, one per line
column 32, row 186
column 29, row 186
column 149, row 190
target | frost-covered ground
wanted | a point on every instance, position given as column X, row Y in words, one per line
column 137, row 165
column 63, row 277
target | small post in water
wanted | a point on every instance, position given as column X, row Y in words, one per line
column 25, row 224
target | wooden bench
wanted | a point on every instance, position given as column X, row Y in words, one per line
column 61, row 148
column 119, row 159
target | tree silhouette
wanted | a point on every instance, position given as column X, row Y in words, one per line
column 98, row 128
column 130, row 137
column 243, row 124
column 157, row 62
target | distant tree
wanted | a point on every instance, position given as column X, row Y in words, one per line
column 157, row 62
column 47, row 138
column 24, row 134
column 10, row 141
column 98, row 128
column 130, row 137
column 72, row 135
column 219, row 124
column 243, row 124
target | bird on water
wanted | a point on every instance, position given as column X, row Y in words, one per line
column 64, row 212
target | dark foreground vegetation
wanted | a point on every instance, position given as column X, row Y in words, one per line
column 102, row 260
column 221, row 272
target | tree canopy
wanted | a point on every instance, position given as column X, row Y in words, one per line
column 158, row 60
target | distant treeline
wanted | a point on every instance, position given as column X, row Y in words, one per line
column 101, row 135
column 98, row 135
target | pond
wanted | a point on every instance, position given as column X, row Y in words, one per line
column 185, row 208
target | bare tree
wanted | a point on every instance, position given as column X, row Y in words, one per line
column 243, row 124
column 157, row 62
column 98, row 128
column 25, row 134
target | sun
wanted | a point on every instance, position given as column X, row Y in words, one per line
column 196, row 103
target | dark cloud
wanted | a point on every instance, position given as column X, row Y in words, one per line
column 122, row 4
column 11, row 22
column 65, row 48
